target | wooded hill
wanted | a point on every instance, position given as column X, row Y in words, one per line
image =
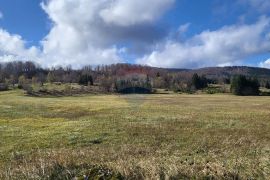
column 110, row 77
column 227, row 72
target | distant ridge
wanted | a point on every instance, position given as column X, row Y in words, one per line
column 217, row 72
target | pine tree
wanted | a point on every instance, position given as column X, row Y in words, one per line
column 244, row 87
column 195, row 81
column 86, row 80
column 267, row 85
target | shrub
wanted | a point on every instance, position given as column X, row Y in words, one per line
column 244, row 86
column 50, row 77
column 211, row 91
column 28, row 88
column 22, row 81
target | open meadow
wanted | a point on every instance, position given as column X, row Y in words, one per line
column 158, row 136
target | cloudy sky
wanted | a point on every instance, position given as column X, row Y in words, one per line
column 161, row 33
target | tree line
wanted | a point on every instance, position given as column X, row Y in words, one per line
column 117, row 76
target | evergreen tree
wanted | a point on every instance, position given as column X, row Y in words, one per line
column 195, row 81
column 198, row 82
column 243, row 86
column 267, row 85
column 86, row 80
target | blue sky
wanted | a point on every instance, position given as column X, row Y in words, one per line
column 25, row 18
column 169, row 33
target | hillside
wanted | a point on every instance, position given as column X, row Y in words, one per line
column 227, row 72
column 112, row 78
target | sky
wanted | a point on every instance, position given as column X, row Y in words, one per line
column 160, row 33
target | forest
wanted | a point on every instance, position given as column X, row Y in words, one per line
column 124, row 78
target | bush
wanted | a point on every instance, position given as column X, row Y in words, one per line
column 211, row 91
column 28, row 88
column 244, row 86
column 215, row 89
column 50, row 77
column 22, row 81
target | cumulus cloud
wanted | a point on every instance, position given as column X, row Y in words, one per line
column 73, row 38
column 84, row 32
column 103, row 32
column 90, row 32
column 13, row 47
column 226, row 46
column 265, row 64
column 130, row 12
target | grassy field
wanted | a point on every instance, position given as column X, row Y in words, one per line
column 169, row 136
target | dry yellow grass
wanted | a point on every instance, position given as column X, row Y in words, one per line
column 139, row 136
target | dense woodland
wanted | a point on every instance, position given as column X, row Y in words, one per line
column 117, row 77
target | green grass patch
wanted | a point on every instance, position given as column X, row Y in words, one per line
column 134, row 136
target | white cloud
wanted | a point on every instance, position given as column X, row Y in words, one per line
column 96, row 32
column 130, row 12
column 265, row 64
column 258, row 5
column 228, row 45
column 13, row 47
column 87, row 32
column 84, row 32
column 183, row 28
column 74, row 37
